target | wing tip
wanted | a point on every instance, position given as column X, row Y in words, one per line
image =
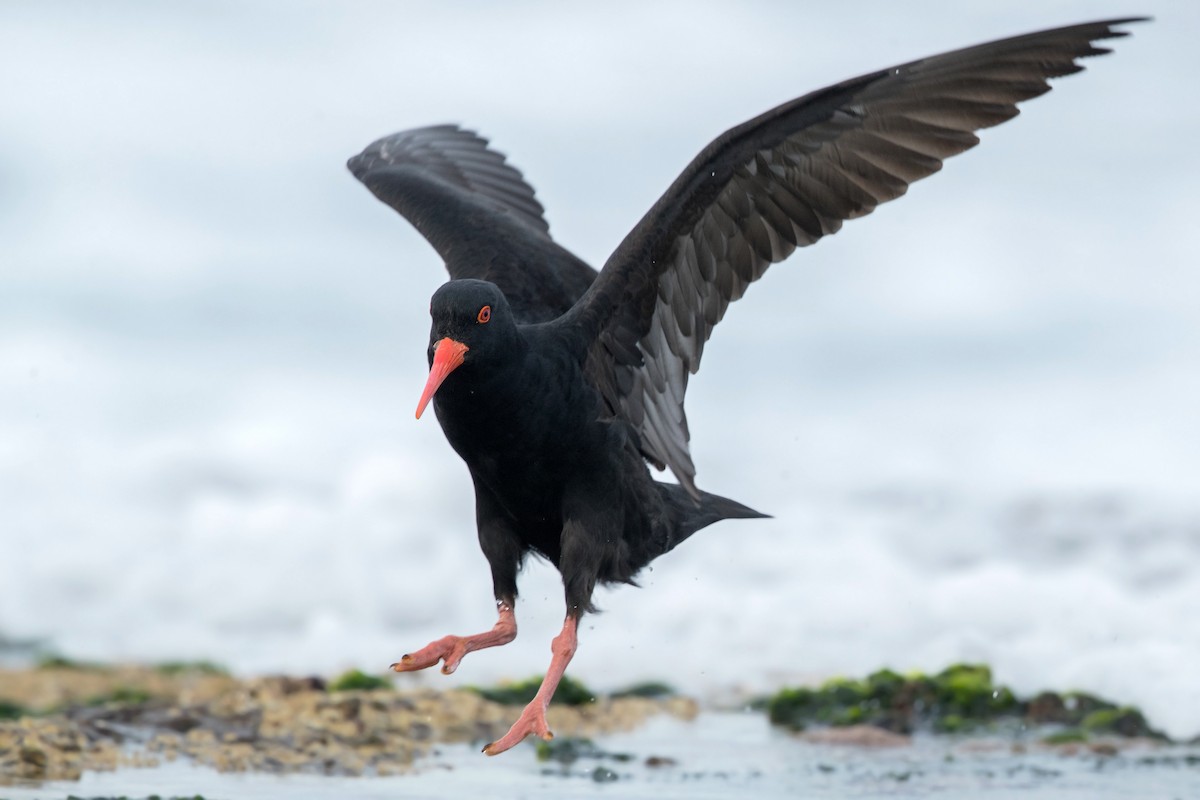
column 361, row 163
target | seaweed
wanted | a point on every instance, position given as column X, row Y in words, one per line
column 570, row 692
column 62, row 662
column 11, row 710
column 122, row 696
column 960, row 699
column 201, row 667
column 653, row 690
column 358, row 681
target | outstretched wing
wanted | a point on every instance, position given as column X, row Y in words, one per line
column 478, row 213
column 781, row 181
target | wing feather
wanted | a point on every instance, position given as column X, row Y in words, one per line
column 784, row 180
column 478, row 212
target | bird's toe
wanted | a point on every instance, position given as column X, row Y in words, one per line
column 532, row 722
column 431, row 654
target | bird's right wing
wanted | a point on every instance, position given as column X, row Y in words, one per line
column 478, row 213
column 780, row 181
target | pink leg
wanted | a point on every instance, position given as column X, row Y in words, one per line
column 533, row 719
column 451, row 649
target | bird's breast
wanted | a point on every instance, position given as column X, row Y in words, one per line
column 525, row 435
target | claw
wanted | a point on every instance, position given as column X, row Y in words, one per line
column 532, row 722
column 431, row 654
column 450, row 650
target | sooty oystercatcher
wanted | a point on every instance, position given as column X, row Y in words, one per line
column 557, row 384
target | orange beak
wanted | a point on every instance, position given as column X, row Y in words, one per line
column 447, row 357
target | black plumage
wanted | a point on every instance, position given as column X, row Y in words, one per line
column 557, row 384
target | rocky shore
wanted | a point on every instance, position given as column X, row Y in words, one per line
column 65, row 719
column 62, row 719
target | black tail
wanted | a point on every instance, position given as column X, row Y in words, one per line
column 691, row 516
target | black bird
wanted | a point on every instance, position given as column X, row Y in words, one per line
column 557, row 384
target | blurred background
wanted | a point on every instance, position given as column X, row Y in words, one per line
column 975, row 426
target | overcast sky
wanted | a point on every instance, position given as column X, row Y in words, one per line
column 172, row 192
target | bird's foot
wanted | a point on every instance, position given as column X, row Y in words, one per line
column 532, row 722
column 451, row 649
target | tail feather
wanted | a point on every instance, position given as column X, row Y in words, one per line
column 691, row 516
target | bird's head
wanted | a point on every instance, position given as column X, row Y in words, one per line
column 472, row 325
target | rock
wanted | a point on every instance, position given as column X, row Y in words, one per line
column 603, row 774
column 1047, row 708
column 275, row 724
column 858, row 736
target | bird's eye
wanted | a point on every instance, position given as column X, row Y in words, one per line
column 485, row 314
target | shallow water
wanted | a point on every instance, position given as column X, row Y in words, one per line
column 719, row 755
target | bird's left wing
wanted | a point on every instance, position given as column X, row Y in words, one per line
column 780, row 181
column 478, row 212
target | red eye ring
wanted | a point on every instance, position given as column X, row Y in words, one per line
column 485, row 314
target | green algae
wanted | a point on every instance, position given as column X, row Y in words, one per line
column 358, row 681
column 1124, row 721
column 122, row 696
column 570, row 692
column 201, row 667
column 653, row 690
column 62, row 662
column 962, row 698
column 11, row 710
column 1066, row 736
